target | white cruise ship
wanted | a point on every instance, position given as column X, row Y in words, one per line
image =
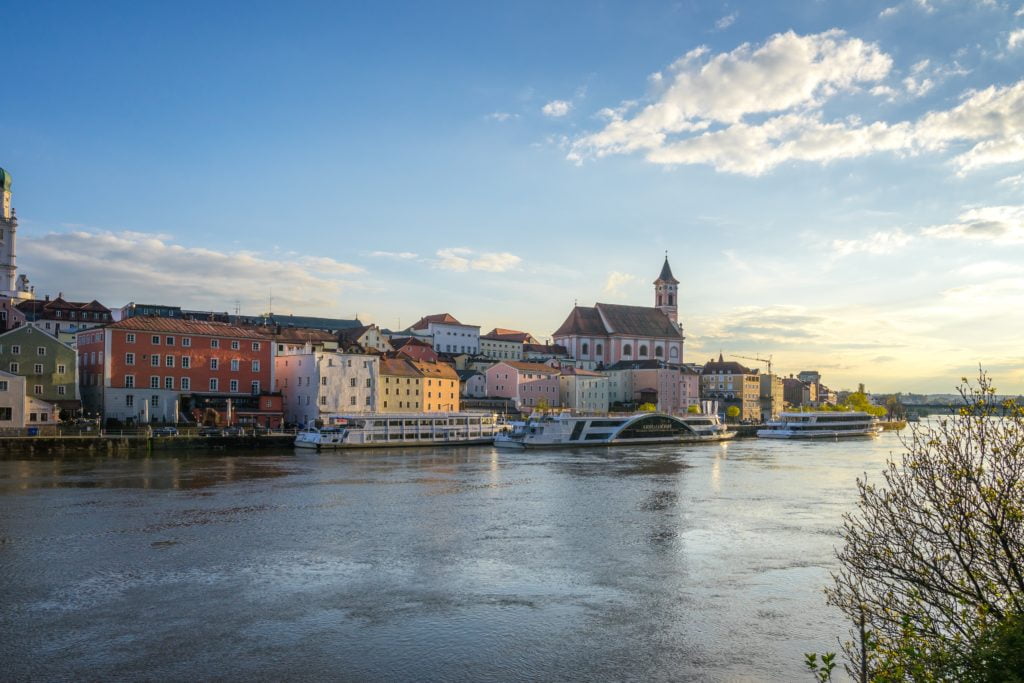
column 643, row 428
column 821, row 425
column 395, row 429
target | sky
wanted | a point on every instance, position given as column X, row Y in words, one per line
column 838, row 185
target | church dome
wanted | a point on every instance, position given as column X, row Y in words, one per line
column 5, row 180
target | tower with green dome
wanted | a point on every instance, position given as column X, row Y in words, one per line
column 11, row 286
column 5, row 195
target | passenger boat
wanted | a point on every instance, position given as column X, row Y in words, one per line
column 642, row 428
column 393, row 429
column 821, row 425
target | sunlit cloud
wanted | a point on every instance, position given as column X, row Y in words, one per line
column 461, row 259
column 556, row 108
column 1000, row 224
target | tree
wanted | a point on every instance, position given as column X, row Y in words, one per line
column 693, row 410
column 647, row 408
column 894, row 408
column 932, row 570
column 543, row 405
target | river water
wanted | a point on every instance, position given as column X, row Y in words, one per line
column 701, row 562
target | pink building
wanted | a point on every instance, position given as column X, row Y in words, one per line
column 672, row 389
column 605, row 334
column 526, row 383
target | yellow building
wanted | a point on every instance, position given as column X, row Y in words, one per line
column 440, row 386
column 400, row 387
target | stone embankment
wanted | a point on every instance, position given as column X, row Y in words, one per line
column 130, row 445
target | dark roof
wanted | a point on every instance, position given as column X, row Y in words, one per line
column 45, row 308
column 329, row 324
column 666, row 274
column 605, row 319
column 553, row 349
column 465, row 375
column 726, row 368
column 650, row 364
column 398, row 366
column 299, row 335
column 353, row 334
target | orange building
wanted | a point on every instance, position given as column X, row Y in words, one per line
column 440, row 387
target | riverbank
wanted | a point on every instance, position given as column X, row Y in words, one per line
column 131, row 445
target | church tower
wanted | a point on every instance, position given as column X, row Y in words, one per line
column 8, row 225
column 666, row 293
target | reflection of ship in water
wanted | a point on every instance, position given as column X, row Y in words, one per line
column 642, row 428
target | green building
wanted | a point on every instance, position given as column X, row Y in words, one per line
column 49, row 366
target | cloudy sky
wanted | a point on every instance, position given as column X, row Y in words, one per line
column 838, row 184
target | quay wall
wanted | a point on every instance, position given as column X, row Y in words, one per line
column 127, row 446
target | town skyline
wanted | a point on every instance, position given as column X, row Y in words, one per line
column 845, row 204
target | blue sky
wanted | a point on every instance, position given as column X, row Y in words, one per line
column 838, row 184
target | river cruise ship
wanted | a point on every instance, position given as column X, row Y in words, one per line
column 394, row 429
column 821, row 425
column 644, row 428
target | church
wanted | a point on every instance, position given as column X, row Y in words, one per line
column 604, row 334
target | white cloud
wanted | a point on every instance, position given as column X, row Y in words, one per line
column 152, row 267
column 461, row 259
column 888, row 12
column 556, row 108
column 616, row 281
column 501, row 116
column 877, row 243
column 926, row 5
column 1016, row 39
column 397, row 255
column 712, row 111
column 989, row 269
column 999, row 224
column 1012, row 181
column 726, row 21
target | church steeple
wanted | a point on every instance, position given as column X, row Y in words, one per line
column 666, row 293
column 11, row 286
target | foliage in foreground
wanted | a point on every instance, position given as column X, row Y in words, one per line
column 932, row 570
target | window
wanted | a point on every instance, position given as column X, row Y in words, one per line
column 255, row 346
column 40, row 350
column 154, row 360
column 255, row 366
column 235, row 345
column 154, row 400
column 255, row 388
column 186, row 384
column 129, row 381
column 323, row 400
column 37, row 389
column 129, row 338
column 213, row 384
column 32, row 417
column 14, row 368
column 352, row 381
column 643, row 349
column 213, row 363
column 234, row 365
column 37, row 369
column 186, row 361
column 368, row 382
column 5, row 415
column 627, row 350
column 168, row 382
column 154, row 382
column 323, row 381
column 186, row 341
column 215, row 343
column 658, row 351
column 352, row 400
column 3, row 385
column 169, row 361
column 16, row 349
column 155, row 339
column 598, row 349
column 586, row 348
column 367, row 400
column 233, row 386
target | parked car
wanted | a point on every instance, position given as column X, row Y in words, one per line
column 165, row 431
column 234, row 431
column 211, row 431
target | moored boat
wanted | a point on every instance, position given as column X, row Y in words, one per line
column 394, row 429
column 821, row 425
column 643, row 428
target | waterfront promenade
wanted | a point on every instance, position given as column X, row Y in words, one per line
column 701, row 562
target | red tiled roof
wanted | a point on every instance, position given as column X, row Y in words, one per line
column 425, row 321
column 530, row 367
column 442, row 370
column 398, row 367
column 145, row 323
column 502, row 334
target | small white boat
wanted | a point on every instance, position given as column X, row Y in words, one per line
column 821, row 425
column 643, row 428
column 394, row 429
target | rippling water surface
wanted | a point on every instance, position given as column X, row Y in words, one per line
column 662, row 563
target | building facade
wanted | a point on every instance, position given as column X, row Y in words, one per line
column 447, row 334
column 321, row 388
column 440, row 387
column 529, row 385
column 50, row 367
column 156, row 369
column 400, row 387
column 732, row 384
column 64, row 319
column 583, row 391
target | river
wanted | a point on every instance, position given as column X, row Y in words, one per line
column 702, row 562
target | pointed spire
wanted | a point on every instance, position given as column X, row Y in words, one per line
column 720, row 359
column 666, row 273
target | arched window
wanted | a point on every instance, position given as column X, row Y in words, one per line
column 674, row 352
column 627, row 350
column 671, row 300
column 599, row 349
column 643, row 349
column 586, row 348
column 659, row 299
column 658, row 351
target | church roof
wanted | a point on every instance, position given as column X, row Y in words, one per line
column 666, row 274
column 605, row 319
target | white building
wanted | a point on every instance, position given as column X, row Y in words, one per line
column 446, row 334
column 18, row 410
column 321, row 386
column 583, row 391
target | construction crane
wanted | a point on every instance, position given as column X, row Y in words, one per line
column 767, row 360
